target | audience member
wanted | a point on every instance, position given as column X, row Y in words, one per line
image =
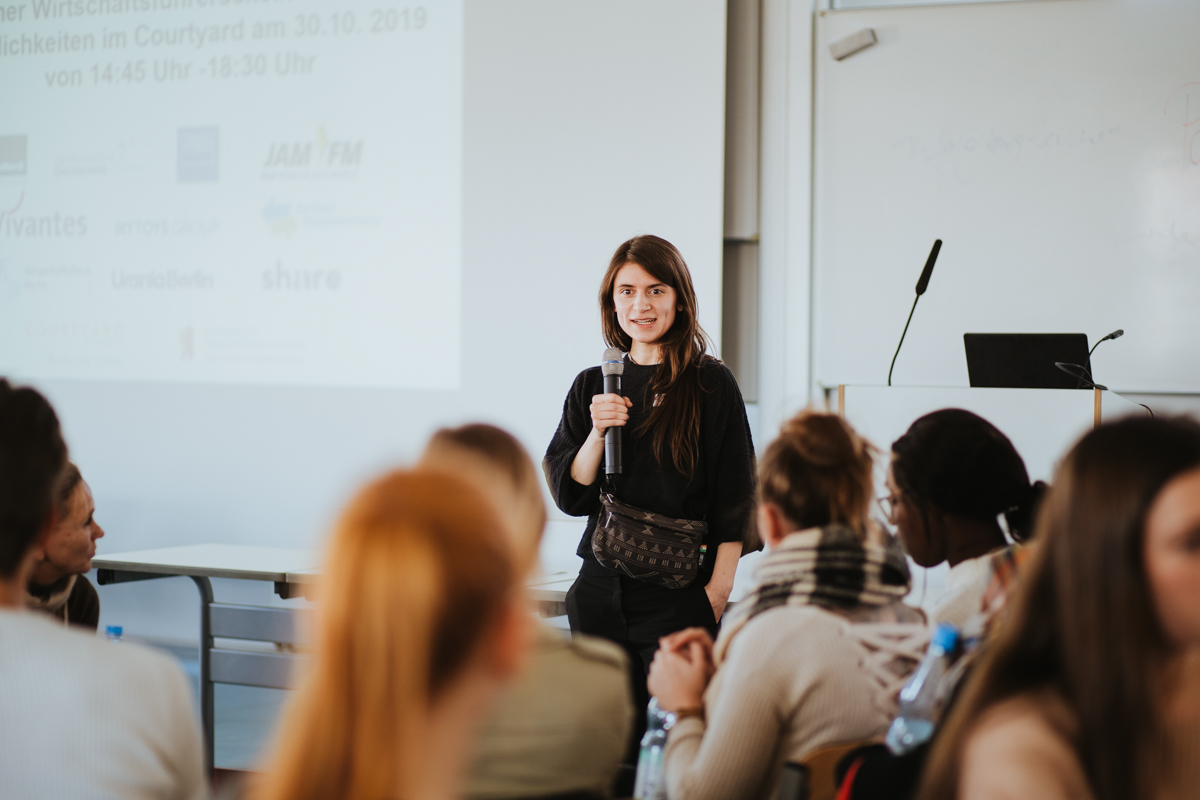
column 57, row 584
column 1091, row 688
column 952, row 475
column 562, row 726
column 82, row 717
column 815, row 654
column 418, row 622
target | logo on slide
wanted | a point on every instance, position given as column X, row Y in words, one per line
column 279, row 218
column 198, row 159
column 320, row 156
column 284, row 219
column 13, row 157
column 56, row 225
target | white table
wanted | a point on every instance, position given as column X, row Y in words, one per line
column 294, row 572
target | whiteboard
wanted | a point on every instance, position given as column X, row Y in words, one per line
column 1053, row 146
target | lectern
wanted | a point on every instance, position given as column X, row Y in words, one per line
column 1042, row 423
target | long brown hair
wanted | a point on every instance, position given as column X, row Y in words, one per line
column 818, row 472
column 1082, row 622
column 416, row 573
column 675, row 422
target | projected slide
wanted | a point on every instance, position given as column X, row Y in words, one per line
column 239, row 192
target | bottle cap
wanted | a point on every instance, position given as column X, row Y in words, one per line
column 945, row 637
column 113, row 630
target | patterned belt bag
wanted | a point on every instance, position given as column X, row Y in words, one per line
column 648, row 546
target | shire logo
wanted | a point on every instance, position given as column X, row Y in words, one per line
column 320, row 151
column 14, row 225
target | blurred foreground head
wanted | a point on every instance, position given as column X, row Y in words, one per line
column 32, row 455
column 1110, row 600
column 416, row 624
column 495, row 463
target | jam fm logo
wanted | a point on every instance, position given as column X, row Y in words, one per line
column 321, row 153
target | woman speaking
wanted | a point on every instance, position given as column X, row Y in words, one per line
column 664, row 536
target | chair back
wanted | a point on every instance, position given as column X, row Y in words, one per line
column 793, row 783
column 815, row 776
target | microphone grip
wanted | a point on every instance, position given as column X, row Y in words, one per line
column 612, row 436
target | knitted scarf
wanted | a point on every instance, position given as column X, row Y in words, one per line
column 54, row 600
column 831, row 567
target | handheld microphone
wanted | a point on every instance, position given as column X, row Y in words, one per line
column 612, row 367
column 922, row 285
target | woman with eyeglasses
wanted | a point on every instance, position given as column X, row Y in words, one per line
column 1090, row 689
column 953, row 475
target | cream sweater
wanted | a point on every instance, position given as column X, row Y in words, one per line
column 81, row 717
column 1021, row 748
column 795, row 679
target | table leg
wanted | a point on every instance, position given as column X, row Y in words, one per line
column 206, row 682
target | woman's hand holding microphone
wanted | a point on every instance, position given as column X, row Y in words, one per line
column 607, row 411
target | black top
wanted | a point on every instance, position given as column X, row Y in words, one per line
column 82, row 606
column 721, row 492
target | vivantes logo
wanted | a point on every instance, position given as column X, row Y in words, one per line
column 13, row 155
column 320, row 156
column 17, row 223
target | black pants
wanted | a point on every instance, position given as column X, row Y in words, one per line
column 634, row 615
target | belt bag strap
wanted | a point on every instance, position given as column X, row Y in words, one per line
column 650, row 547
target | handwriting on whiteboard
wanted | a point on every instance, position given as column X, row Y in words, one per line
column 1184, row 106
column 976, row 144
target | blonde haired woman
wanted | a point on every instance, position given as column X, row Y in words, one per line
column 417, row 626
column 562, row 726
column 815, row 654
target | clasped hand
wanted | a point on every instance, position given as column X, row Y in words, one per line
column 681, row 669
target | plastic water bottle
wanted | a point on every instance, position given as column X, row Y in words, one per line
column 913, row 726
column 113, row 633
column 651, row 783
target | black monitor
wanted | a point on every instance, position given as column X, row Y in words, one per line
column 1026, row 360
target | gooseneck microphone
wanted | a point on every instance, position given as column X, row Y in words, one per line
column 612, row 367
column 1117, row 334
column 922, row 285
column 1087, row 368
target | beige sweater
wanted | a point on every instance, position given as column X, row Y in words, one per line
column 1021, row 748
column 795, row 679
column 561, row 727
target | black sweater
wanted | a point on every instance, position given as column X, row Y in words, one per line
column 721, row 492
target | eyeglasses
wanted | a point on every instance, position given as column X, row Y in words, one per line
column 888, row 504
